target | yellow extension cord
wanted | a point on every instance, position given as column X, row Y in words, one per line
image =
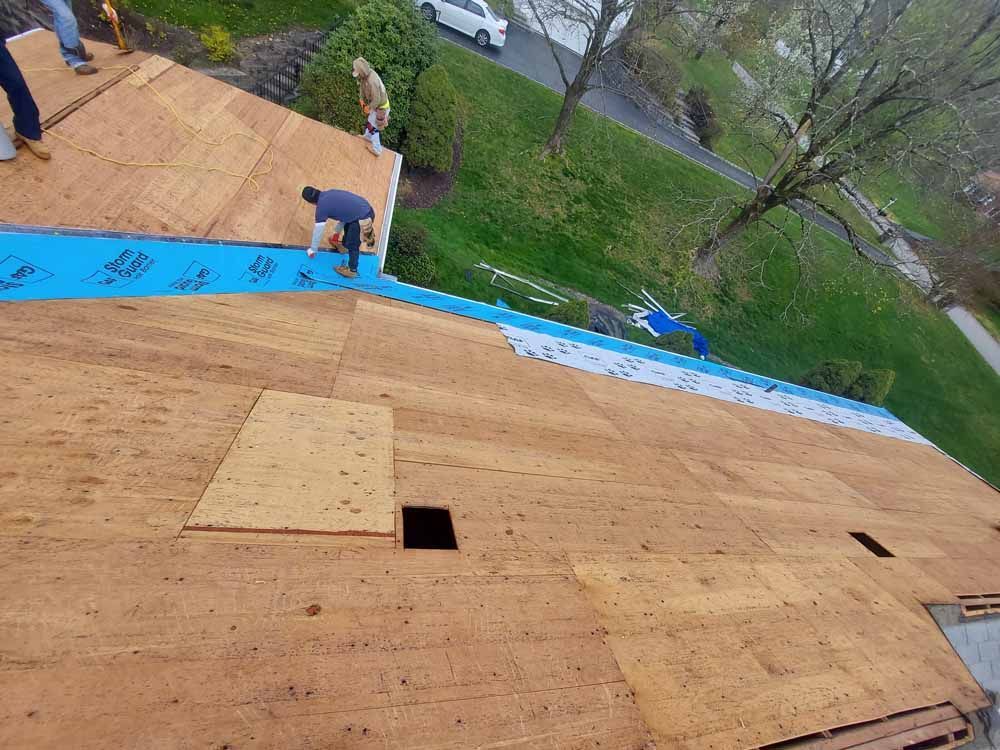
column 250, row 177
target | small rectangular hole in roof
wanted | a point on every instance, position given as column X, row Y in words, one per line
column 428, row 528
column 870, row 544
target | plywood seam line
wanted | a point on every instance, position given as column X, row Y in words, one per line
column 222, row 458
column 133, row 70
column 340, row 358
column 514, row 694
column 746, row 524
column 289, row 532
column 62, row 114
column 952, row 602
column 198, row 337
column 649, row 483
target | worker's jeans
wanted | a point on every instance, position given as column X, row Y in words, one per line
column 372, row 132
column 23, row 105
column 352, row 241
column 64, row 23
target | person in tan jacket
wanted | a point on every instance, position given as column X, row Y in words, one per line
column 374, row 102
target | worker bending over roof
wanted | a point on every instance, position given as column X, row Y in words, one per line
column 352, row 214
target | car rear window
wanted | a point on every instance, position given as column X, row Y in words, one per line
column 490, row 13
column 474, row 8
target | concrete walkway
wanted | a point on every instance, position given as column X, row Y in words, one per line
column 977, row 335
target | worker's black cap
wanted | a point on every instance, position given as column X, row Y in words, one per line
column 310, row 194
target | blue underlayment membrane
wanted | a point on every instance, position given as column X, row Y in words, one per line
column 49, row 264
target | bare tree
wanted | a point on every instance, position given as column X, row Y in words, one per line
column 605, row 27
column 711, row 28
column 876, row 84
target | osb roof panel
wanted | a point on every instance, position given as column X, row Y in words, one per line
column 635, row 565
column 229, row 132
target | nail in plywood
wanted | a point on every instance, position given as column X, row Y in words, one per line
column 308, row 465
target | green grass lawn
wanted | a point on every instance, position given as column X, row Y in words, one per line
column 245, row 17
column 606, row 212
column 923, row 208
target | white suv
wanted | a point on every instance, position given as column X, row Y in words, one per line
column 472, row 17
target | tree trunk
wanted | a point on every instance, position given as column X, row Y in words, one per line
column 554, row 145
column 706, row 258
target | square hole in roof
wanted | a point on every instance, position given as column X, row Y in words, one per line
column 428, row 528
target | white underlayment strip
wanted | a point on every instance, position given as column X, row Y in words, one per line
column 603, row 362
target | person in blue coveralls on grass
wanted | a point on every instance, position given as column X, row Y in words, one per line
column 354, row 220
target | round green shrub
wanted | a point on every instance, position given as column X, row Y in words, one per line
column 832, row 376
column 397, row 42
column 574, row 313
column 406, row 255
column 678, row 342
column 413, row 269
column 872, row 386
column 409, row 240
column 430, row 135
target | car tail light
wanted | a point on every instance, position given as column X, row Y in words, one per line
column 503, row 30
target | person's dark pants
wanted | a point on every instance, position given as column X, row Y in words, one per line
column 21, row 102
column 352, row 241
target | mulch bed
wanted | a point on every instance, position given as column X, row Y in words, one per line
column 150, row 35
column 425, row 188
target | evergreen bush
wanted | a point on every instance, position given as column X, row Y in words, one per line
column 832, row 376
column 399, row 45
column 678, row 342
column 406, row 255
column 574, row 313
column 430, row 135
column 872, row 386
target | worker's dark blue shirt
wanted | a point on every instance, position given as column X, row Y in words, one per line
column 343, row 206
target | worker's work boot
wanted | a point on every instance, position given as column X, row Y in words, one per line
column 85, row 70
column 371, row 150
column 81, row 52
column 345, row 271
column 38, row 148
